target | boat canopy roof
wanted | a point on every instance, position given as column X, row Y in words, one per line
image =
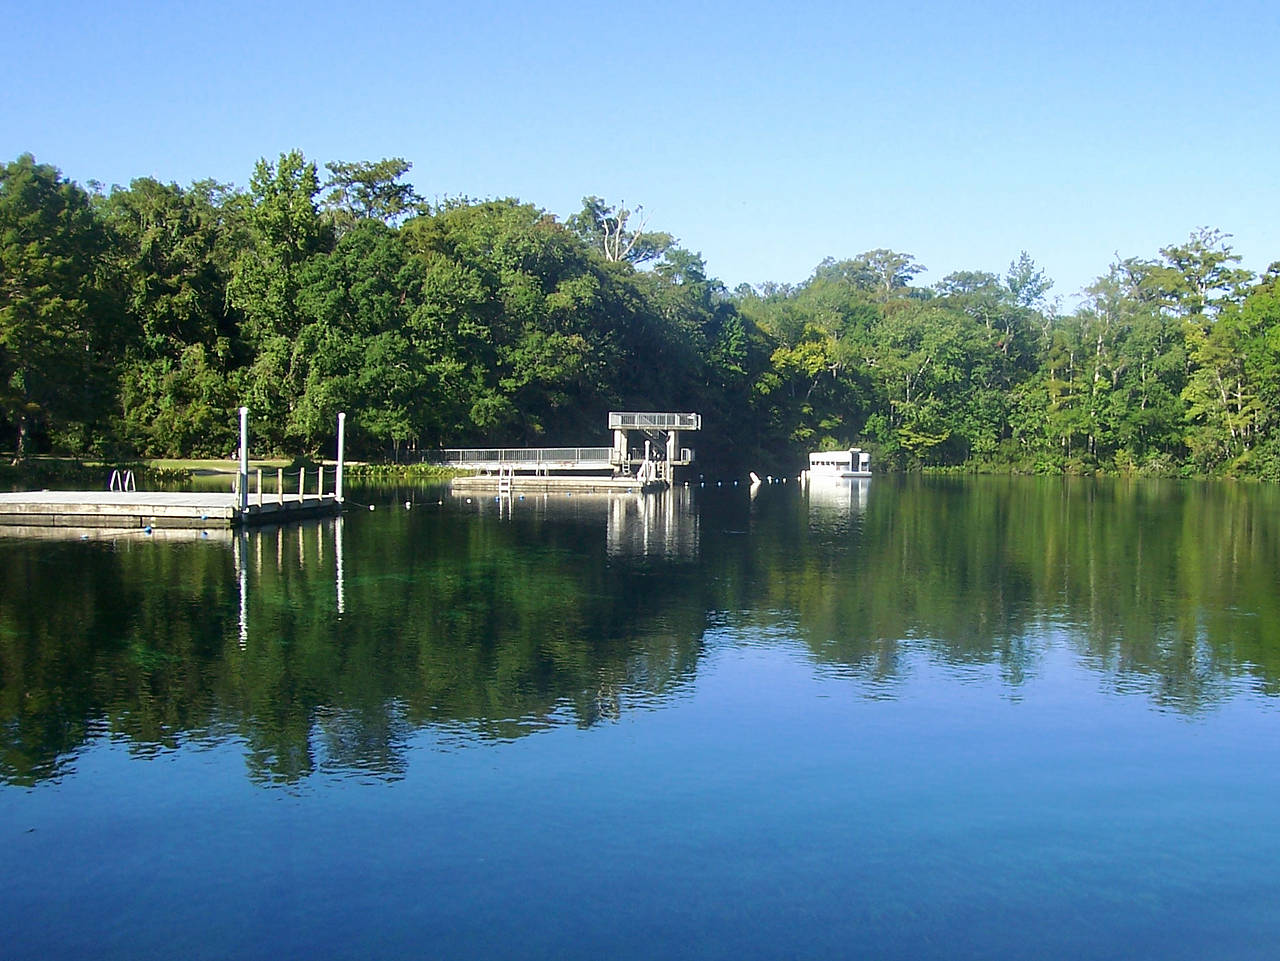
column 835, row 457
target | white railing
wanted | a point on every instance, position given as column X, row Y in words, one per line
column 526, row 458
column 653, row 420
column 290, row 485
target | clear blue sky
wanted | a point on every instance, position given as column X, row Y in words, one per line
column 764, row 135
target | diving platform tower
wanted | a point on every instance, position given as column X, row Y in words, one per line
column 661, row 435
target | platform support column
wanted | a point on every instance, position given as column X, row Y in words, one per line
column 620, row 450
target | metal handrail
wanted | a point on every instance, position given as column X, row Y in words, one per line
column 517, row 455
column 653, row 420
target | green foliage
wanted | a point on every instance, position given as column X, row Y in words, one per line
column 369, row 191
column 56, row 341
column 137, row 322
column 609, row 230
column 172, row 249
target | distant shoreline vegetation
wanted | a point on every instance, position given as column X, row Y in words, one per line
column 135, row 320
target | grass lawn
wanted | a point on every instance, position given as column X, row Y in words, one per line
column 214, row 465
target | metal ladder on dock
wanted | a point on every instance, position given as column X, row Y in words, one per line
column 505, row 477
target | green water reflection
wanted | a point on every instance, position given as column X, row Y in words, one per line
column 329, row 646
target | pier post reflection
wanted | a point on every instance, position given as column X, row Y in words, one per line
column 662, row 525
column 239, row 548
column 339, row 572
column 248, row 542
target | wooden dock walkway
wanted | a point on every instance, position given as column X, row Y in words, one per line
column 154, row 509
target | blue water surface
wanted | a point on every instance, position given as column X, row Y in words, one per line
column 765, row 799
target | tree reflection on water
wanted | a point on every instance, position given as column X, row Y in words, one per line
column 328, row 647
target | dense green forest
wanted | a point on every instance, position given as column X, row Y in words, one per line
column 135, row 320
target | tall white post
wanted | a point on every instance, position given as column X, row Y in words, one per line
column 244, row 459
column 342, row 440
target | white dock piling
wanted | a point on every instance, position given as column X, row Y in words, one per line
column 342, row 434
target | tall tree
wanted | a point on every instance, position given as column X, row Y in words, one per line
column 611, row 230
column 1198, row 278
column 1027, row 283
column 175, row 393
column 286, row 231
column 369, row 190
column 881, row 272
column 53, row 347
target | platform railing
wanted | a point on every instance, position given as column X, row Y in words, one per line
column 525, row 458
column 653, row 420
column 290, row 485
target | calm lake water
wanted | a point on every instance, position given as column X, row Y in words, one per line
column 909, row 718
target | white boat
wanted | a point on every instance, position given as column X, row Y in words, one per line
column 839, row 464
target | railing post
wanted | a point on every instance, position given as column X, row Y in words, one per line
column 259, row 486
column 320, row 481
column 302, row 482
column 280, row 485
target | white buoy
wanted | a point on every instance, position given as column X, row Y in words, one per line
column 371, row 507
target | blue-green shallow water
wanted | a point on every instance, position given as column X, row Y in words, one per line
column 910, row 719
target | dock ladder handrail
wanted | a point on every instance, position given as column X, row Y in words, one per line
column 122, row 482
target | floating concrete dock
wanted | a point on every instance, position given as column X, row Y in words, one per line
column 154, row 509
column 123, row 508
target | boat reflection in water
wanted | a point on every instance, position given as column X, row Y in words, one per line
column 835, row 502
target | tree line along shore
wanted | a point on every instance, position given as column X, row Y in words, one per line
column 134, row 321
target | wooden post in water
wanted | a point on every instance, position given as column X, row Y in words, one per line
column 302, row 482
column 337, row 479
column 244, row 459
